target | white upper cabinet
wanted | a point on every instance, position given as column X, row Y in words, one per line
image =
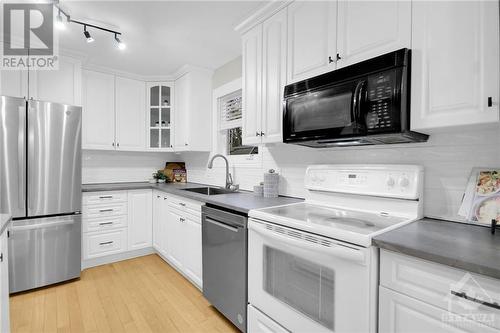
column 140, row 219
column 366, row 29
column 59, row 86
column 193, row 113
column 455, row 67
column 311, row 38
column 130, row 115
column 98, row 116
column 264, row 79
column 159, row 115
column 273, row 76
column 252, row 86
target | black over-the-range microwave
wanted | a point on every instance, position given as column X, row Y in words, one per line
column 363, row 104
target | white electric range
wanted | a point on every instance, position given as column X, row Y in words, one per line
column 311, row 266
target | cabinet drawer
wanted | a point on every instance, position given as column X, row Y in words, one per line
column 102, row 211
column 104, row 223
column 104, row 243
column 186, row 205
column 91, row 198
column 439, row 285
column 401, row 313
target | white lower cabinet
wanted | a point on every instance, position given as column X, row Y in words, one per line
column 183, row 237
column 260, row 323
column 140, row 217
column 98, row 244
column 4, row 283
column 420, row 296
column 401, row 313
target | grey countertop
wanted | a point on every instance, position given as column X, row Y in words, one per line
column 4, row 222
column 242, row 201
column 468, row 247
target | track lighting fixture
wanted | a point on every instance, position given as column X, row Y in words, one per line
column 119, row 43
column 60, row 24
column 87, row 35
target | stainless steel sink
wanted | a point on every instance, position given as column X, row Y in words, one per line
column 209, row 190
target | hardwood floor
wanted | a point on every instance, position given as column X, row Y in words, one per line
column 138, row 295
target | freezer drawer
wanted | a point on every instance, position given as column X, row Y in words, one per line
column 44, row 251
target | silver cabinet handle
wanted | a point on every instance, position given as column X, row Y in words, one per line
column 182, row 204
column 106, row 197
column 105, row 210
column 181, row 219
column 105, row 223
column 106, row 243
column 463, row 295
column 164, row 198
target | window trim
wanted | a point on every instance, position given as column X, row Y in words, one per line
column 217, row 147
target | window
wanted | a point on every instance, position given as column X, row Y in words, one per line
column 230, row 122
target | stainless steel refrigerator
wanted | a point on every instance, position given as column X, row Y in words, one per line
column 40, row 186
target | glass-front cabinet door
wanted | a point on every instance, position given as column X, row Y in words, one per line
column 160, row 115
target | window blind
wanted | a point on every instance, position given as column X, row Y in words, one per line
column 230, row 107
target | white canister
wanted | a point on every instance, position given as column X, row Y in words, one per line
column 271, row 184
column 258, row 190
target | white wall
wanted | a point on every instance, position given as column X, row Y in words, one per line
column 447, row 158
column 118, row 166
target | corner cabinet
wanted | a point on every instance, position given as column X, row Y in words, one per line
column 193, row 111
column 264, row 78
column 455, row 68
column 160, row 115
column 140, row 218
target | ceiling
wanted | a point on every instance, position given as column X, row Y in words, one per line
column 161, row 36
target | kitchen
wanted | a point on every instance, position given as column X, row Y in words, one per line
column 295, row 166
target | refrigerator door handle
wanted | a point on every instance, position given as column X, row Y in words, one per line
column 31, row 158
column 21, row 149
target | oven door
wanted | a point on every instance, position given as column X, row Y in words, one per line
column 309, row 283
column 325, row 113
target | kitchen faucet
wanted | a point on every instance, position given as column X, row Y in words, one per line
column 229, row 178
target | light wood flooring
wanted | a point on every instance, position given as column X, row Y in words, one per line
column 138, row 295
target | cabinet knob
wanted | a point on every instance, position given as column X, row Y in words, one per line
column 338, row 56
column 1, row 257
column 330, row 60
column 118, row 144
column 113, row 144
column 185, row 144
column 490, row 102
column 262, row 133
column 171, row 146
column 257, row 133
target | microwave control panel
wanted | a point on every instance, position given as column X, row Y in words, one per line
column 380, row 113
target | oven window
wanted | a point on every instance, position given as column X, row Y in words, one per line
column 303, row 285
column 322, row 110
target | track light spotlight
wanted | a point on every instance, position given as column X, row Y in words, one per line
column 119, row 43
column 59, row 24
column 87, row 35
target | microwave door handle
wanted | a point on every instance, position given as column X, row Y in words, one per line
column 357, row 102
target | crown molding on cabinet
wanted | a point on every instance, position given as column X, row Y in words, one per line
column 259, row 16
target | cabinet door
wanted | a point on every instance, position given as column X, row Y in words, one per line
column 181, row 114
column 139, row 219
column 192, row 249
column 157, row 220
column 367, row 29
column 252, row 86
column 273, row 76
column 175, row 238
column 455, row 52
column 159, row 115
column 311, row 38
column 4, row 283
column 163, row 228
column 98, row 116
column 63, row 85
column 400, row 313
column 130, row 115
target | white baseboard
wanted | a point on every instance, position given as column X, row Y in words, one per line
column 116, row 257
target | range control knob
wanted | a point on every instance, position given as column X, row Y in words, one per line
column 313, row 177
column 390, row 182
column 404, row 182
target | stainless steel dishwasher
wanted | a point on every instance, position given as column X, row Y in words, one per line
column 224, row 238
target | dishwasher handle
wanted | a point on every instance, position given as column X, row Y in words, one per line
column 229, row 227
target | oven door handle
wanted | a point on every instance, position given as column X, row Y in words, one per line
column 341, row 251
